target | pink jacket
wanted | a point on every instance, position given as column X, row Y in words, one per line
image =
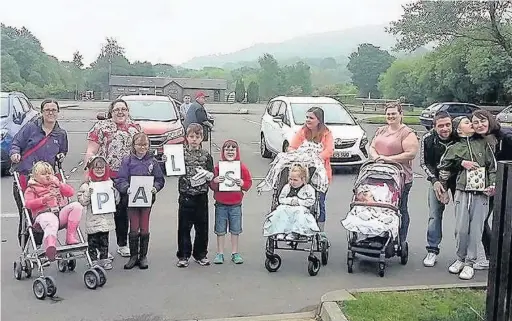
column 36, row 192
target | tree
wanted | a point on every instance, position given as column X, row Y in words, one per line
column 270, row 79
column 366, row 65
column 78, row 59
column 240, row 91
column 485, row 23
column 253, row 92
column 328, row 63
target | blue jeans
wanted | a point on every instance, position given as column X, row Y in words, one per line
column 321, row 218
column 404, row 211
column 435, row 222
column 228, row 214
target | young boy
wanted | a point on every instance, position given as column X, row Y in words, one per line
column 472, row 160
column 193, row 199
column 228, row 206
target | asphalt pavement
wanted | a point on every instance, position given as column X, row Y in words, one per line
column 165, row 292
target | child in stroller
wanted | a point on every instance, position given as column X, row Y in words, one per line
column 373, row 221
column 293, row 219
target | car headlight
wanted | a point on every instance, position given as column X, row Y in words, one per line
column 175, row 133
column 3, row 133
column 364, row 141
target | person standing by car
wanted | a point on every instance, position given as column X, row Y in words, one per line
column 500, row 140
column 397, row 142
column 433, row 146
column 315, row 130
column 197, row 114
column 111, row 138
column 39, row 140
column 185, row 106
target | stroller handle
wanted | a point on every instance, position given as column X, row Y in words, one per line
column 382, row 161
column 57, row 165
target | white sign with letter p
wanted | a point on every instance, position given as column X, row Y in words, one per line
column 175, row 164
column 102, row 197
column 231, row 171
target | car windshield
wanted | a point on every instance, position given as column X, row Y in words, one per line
column 334, row 114
column 152, row 110
column 4, row 112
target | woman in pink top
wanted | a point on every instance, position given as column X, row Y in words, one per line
column 314, row 130
column 397, row 142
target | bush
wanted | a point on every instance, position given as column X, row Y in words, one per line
column 253, row 92
column 240, row 91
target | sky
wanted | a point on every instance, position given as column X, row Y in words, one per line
column 174, row 31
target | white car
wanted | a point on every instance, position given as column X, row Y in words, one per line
column 284, row 116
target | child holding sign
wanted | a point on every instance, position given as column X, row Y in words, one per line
column 193, row 200
column 98, row 223
column 228, row 205
column 141, row 162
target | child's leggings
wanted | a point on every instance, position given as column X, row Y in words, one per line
column 69, row 217
column 139, row 219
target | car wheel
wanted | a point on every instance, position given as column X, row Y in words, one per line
column 265, row 153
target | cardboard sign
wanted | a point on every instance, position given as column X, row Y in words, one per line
column 175, row 164
column 231, row 172
column 140, row 191
column 102, row 198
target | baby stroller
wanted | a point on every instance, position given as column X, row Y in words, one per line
column 317, row 243
column 31, row 256
column 373, row 224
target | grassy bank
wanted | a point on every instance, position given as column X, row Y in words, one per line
column 435, row 305
column 408, row 120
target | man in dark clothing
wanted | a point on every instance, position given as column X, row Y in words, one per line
column 197, row 114
column 433, row 146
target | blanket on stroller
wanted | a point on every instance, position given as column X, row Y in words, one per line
column 308, row 155
column 286, row 219
column 372, row 221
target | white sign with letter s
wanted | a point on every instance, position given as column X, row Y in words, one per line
column 231, row 171
column 175, row 164
column 102, row 198
column 140, row 191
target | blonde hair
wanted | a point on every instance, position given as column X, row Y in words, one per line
column 301, row 170
column 42, row 168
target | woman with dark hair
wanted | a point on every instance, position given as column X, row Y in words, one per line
column 397, row 142
column 112, row 139
column 315, row 130
column 41, row 139
column 500, row 140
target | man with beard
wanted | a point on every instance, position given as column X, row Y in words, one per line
column 433, row 146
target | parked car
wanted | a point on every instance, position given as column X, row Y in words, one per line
column 159, row 118
column 455, row 109
column 16, row 111
column 284, row 116
column 505, row 117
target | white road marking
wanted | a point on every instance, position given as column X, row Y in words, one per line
column 251, row 121
column 9, row 215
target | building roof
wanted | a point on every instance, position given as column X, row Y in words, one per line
column 159, row 82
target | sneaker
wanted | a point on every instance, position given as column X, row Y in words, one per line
column 467, row 273
column 95, row 263
column 291, row 237
column 237, row 258
column 124, row 251
column 280, row 237
column 204, row 261
column 182, row 263
column 107, row 264
column 109, row 256
column 481, row 265
column 219, row 258
column 456, row 267
column 430, row 260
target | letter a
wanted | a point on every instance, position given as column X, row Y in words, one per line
column 140, row 194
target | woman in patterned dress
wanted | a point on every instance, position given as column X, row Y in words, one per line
column 111, row 138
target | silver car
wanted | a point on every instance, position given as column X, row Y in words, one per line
column 505, row 117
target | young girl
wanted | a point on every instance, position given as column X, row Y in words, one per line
column 140, row 163
column 472, row 160
column 292, row 217
column 97, row 226
column 46, row 197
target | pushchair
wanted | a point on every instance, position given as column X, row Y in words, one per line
column 316, row 243
column 32, row 256
column 373, row 224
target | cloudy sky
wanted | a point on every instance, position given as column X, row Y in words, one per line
column 174, row 31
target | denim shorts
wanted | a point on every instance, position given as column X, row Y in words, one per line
column 228, row 214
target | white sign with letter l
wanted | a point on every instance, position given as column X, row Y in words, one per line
column 140, row 191
column 175, row 164
column 102, row 197
column 231, row 171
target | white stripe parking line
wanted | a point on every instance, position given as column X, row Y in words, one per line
column 9, row 215
column 251, row 121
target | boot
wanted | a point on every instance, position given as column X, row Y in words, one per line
column 71, row 233
column 144, row 244
column 321, row 226
column 134, row 251
column 50, row 243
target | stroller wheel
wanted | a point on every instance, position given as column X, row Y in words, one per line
column 273, row 263
column 28, row 268
column 103, row 275
column 51, row 287
column 382, row 269
column 91, row 279
column 17, row 270
column 404, row 253
column 325, row 252
column 62, row 266
column 313, row 266
column 39, row 288
column 71, row 262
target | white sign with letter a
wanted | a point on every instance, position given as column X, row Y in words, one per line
column 102, row 197
column 175, row 164
column 140, row 191
column 231, row 171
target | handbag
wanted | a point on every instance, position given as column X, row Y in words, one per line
column 475, row 178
